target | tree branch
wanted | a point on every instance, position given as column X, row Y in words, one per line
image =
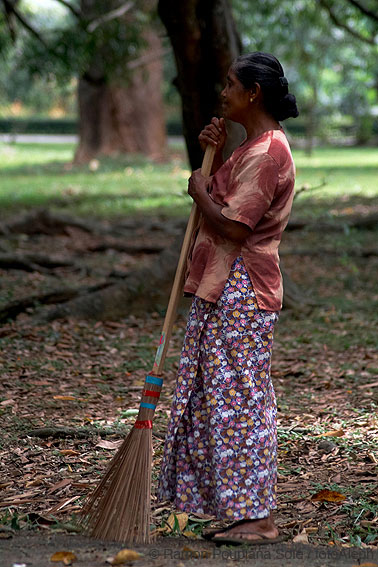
column 10, row 8
column 117, row 13
column 10, row 22
column 363, row 10
column 72, row 9
column 342, row 25
column 147, row 58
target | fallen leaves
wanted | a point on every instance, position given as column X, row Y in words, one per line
column 66, row 557
column 177, row 522
column 321, row 391
column 124, row 556
column 111, row 445
column 333, row 433
column 328, row 496
column 302, row 537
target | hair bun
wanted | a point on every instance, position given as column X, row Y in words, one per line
column 286, row 108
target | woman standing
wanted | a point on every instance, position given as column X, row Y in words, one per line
column 221, row 445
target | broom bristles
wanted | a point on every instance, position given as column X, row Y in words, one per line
column 119, row 508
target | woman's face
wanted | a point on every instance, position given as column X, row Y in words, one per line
column 235, row 99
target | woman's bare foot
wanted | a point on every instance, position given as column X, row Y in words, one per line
column 251, row 530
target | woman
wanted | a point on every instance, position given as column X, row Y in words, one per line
column 220, row 451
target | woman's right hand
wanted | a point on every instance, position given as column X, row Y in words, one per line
column 214, row 134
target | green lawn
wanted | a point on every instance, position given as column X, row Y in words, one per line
column 335, row 174
column 41, row 175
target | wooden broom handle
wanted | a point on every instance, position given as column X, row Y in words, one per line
column 180, row 272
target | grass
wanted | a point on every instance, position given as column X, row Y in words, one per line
column 348, row 174
column 42, row 175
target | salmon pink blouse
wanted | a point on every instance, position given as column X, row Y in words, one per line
column 255, row 186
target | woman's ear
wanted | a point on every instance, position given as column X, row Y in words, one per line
column 254, row 92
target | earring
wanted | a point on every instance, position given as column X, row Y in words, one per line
column 252, row 98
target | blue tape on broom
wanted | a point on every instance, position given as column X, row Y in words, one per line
column 154, row 380
column 148, row 406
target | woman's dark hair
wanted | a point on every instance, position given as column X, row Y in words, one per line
column 266, row 70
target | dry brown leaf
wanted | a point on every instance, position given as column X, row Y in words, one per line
column 190, row 534
column 301, row 538
column 182, row 520
column 371, row 385
column 195, row 516
column 123, row 556
column 7, row 403
column 67, row 557
column 333, row 433
column 328, row 496
column 64, row 398
column 112, row 445
column 59, row 485
column 68, row 452
column 366, row 565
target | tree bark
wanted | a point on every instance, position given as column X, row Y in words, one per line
column 205, row 42
column 121, row 114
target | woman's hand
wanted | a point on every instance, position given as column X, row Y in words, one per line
column 214, row 134
column 197, row 186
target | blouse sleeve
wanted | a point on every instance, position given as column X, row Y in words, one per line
column 251, row 189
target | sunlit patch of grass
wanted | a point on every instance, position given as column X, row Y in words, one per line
column 36, row 175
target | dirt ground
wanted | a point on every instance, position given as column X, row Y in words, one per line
column 67, row 388
column 35, row 550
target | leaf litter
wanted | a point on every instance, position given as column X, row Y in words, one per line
column 89, row 376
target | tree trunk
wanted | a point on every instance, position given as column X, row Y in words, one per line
column 122, row 114
column 205, row 42
column 311, row 121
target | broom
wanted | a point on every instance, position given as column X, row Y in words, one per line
column 119, row 509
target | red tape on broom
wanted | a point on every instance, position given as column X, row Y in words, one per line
column 143, row 424
column 151, row 393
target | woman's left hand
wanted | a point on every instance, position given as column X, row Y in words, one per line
column 198, row 184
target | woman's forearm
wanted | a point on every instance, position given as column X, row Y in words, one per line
column 233, row 230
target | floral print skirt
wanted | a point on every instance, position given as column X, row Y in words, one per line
column 220, row 454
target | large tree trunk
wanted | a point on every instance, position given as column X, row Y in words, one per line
column 205, row 42
column 122, row 114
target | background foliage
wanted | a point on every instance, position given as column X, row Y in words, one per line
column 332, row 69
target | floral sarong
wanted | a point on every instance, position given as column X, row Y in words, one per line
column 220, row 450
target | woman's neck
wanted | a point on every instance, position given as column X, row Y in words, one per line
column 259, row 123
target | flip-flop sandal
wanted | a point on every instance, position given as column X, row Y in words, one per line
column 211, row 532
column 262, row 540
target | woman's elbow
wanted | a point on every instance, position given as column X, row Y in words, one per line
column 238, row 232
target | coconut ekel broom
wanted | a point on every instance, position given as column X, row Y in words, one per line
column 119, row 509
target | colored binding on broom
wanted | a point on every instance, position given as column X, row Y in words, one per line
column 154, row 380
column 147, row 406
column 143, row 424
column 151, row 394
